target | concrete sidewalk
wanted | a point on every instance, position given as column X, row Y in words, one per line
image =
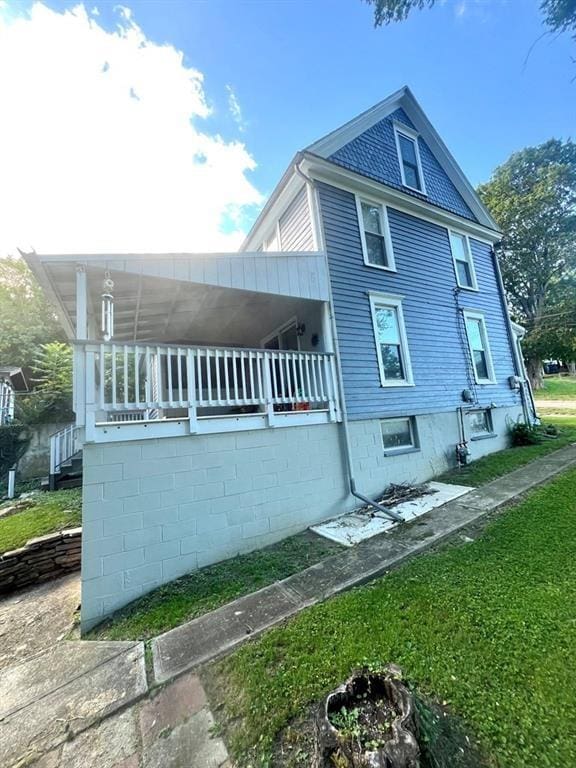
column 84, row 704
column 218, row 632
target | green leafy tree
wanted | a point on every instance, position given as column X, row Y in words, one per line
column 27, row 320
column 51, row 399
column 533, row 199
column 559, row 15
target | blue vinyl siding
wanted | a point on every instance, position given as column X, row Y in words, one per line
column 426, row 280
column 295, row 225
column 374, row 154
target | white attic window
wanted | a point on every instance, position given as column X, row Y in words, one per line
column 409, row 158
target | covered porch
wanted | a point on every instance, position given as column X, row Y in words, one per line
column 197, row 343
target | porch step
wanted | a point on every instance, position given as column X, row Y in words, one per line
column 69, row 475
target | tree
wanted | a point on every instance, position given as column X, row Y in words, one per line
column 559, row 15
column 533, row 199
column 27, row 320
column 51, row 398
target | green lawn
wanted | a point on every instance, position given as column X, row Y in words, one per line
column 50, row 512
column 557, row 389
column 497, row 464
column 213, row 586
column 487, row 627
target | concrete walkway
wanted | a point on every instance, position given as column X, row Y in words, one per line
column 218, row 632
column 82, row 704
column 561, row 405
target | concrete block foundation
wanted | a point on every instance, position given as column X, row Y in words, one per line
column 157, row 509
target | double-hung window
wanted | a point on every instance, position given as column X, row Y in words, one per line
column 479, row 347
column 409, row 158
column 391, row 343
column 463, row 261
column 375, row 234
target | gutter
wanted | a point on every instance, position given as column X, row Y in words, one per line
column 345, row 425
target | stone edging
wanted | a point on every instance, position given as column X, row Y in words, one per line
column 41, row 559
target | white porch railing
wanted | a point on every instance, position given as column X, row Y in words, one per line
column 128, row 383
column 63, row 445
column 6, row 402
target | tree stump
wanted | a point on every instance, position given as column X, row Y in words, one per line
column 368, row 722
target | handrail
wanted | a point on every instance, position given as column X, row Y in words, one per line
column 159, row 378
column 94, row 346
column 63, row 445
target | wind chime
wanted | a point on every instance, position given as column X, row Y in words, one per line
column 107, row 307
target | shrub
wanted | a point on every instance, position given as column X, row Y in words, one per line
column 525, row 434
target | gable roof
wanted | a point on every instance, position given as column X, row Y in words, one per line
column 404, row 99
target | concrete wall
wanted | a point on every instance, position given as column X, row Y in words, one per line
column 438, row 435
column 156, row 509
column 36, row 460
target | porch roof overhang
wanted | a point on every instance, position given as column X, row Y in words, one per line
column 159, row 296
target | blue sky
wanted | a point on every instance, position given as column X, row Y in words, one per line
column 298, row 69
column 301, row 68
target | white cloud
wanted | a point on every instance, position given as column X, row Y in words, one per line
column 100, row 147
column 235, row 108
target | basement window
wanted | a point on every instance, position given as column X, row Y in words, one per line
column 399, row 434
column 481, row 424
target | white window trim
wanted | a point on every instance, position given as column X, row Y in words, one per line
column 388, row 300
column 473, row 315
column 400, row 128
column 415, row 446
column 391, row 266
column 474, row 286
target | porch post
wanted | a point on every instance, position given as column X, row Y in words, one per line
column 267, row 361
column 79, row 371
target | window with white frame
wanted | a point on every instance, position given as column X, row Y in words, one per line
column 375, row 234
column 391, row 342
column 479, row 347
column 399, row 434
column 409, row 158
column 480, row 422
column 463, row 261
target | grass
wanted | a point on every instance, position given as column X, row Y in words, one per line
column 49, row 512
column 213, row 586
column 563, row 388
column 487, row 628
column 500, row 463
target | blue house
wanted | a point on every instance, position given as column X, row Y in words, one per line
column 359, row 338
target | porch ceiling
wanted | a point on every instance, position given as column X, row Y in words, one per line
column 165, row 295
column 157, row 309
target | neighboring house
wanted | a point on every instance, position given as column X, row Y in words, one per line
column 357, row 338
column 12, row 380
